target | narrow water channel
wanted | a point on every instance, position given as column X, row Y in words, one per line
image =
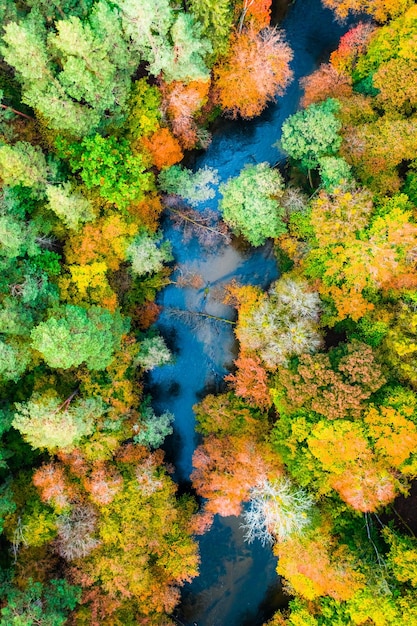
column 238, row 584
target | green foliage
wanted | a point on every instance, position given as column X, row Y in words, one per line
column 334, row 173
column 147, row 256
column 152, row 428
column 216, row 18
column 69, row 205
column 153, row 352
column 169, row 43
column 109, row 165
column 14, row 360
column 76, row 78
column 250, row 203
column 309, row 135
column 7, row 503
column 144, row 109
column 49, row 422
column 73, row 335
column 194, row 187
column 46, row 605
column 22, row 164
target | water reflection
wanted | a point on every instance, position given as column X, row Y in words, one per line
column 238, row 584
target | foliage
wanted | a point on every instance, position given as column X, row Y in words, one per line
column 382, row 10
column 194, row 187
column 47, row 605
column 70, row 66
column 283, row 324
column 22, row 164
column 49, row 422
column 276, row 511
column 163, row 148
column 153, row 428
column 109, row 165
column 171, row 45
column 182, row 104
column 255, row 71
column 250, row 203
column 153, row 352
column 216, row 19
column 312, row 134
column 73, row 335
column 69, row 205
column 146, row 256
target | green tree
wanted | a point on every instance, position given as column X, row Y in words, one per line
column 38, row 603
column 77, row 77
column 309, row 135
column 170, row 43
column 152, row 428
column 153, row 352
column 14, row 359
column 69, row 205
column 194, row 187
column 250, row 203
column 73, row 335
column 216, row 18
column 146, row 256
column 22, row 164
column 109, row 165
column 48, row 422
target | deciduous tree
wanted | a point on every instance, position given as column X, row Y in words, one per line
column 250, row 203
column 73, row 335
column 255, row 71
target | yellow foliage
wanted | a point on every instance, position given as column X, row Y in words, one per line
column 88, row 283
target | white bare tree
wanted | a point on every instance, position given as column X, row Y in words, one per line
column 276, row 511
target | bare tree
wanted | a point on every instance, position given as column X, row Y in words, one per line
column 276, row 511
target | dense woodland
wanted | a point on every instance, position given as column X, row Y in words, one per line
column 315, row 438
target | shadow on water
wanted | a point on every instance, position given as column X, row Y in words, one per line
column 238, row 584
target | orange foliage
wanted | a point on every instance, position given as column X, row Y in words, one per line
column 328, row 570
column 180, row 104
column 146, row 315
column 163, row 148
column 107, row 239
column 245, row 298
column 75, row 461
column 351, row 45
column 103, row 483
column 334, row 392
column 326, row 82
column 366, row 486
column 255, row 71
column 147, row 212
column 53, row 486
column 361, row 479
column 250, row 381
column 382, row 10
column 227, row 467
column 255, row 12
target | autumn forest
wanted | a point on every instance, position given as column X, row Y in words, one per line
column 312, row 438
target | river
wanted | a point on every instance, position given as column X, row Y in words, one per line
column 238, row 584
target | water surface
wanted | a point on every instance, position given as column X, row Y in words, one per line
column 238, row 584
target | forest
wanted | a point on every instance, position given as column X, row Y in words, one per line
column 313, row 439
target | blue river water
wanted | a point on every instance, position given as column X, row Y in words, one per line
column 238, row 584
